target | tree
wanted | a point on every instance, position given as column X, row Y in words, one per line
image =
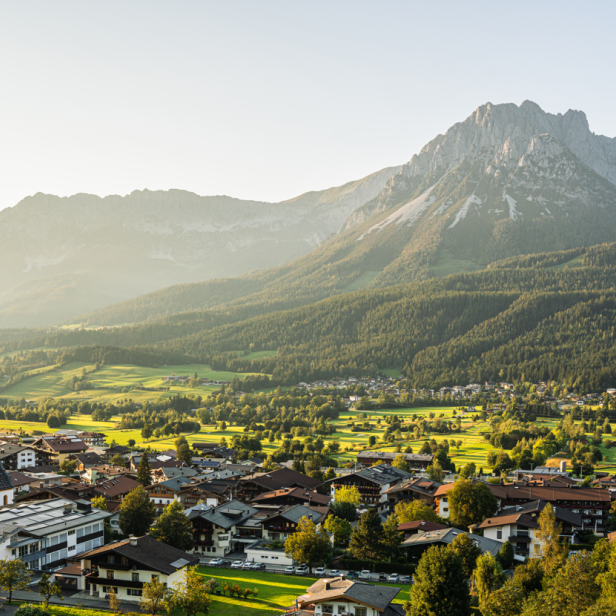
column 347, row 511
column 144, row 474
column 507, row 555
column 308, row 545
column 401, row 463
column 487, row 577
column 114, row 601
column 392, row 537
column 156, row 596
column 118, row 460
column 553, row 553
column 14, row 575
column 131, row 442
column 414, row 510
column 174, row 528
column 190, row 594
column 99, row 502
column 49, row 589
column 348, row 494
column 505, row 601
column 470, row 502
column 340, row 527
column 184, row 454
column 137, row 513
column 435, row 472
column 147, row 431
column 68, row 466
column 469, row 470
column 440, row 588
column 330, row 474
column 367, row 539
column 465, row 548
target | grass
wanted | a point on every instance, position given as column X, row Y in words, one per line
column 276, row 591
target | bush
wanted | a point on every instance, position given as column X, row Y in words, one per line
column 31, row 610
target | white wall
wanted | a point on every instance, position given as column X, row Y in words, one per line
column 269, row 557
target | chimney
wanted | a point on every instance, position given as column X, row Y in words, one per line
column 563, row 466
column 133, row 540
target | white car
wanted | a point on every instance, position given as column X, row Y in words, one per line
column 290, row 570
column 215, row 563
column 320, row 571
column 365, row 574
column 302, row 570
column 247, row 565
column 393, row 578
column 237, row 564
column 334, row 572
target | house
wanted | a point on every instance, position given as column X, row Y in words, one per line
column 18, row 457
column 21, row 482
column 116, row 450
column 44, row 534
column 282, row 523
column 372, row 483
column 169, row 472
column 103, row 471
column 519, row 526
column 348, row 597
column 165, row 492
column 250, row 487
column 125, row 566
column 213, row 450
column 7, row 490
column 73, row 492
column 59, row 448
column 117, row 488
column 418, row 543
column 441, row 499
column 291, row 496
column 210, row 492
column 86, row 460
column 93, row 439
column 420, row 526
column 417, row 461
column 416, row 488
column 216, row 529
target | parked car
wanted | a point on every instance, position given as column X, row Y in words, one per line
column 258, row 567
column 334, row 572
column 247, row 565
column 405, row 579
column 238, row 564
column 290, row 570
column 382, row 577
column 319, row 571
column 365, row 574
column 393, row 577
column 352, row 575
column 302, row 570
column 226, row 563
column 215, row 563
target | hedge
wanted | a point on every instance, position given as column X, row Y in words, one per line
column 377, row 567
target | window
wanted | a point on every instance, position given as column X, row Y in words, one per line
column 71, row 532
column 63, row 538
column 71, row 548
column 499, row 534
column 23, row 550
column 135, row 577
column 110, row 558
column 361, row 611
column 110, row 589
column 80, row 532
column 33, row 547
column 110, row 574
column 328, row 609
column 135, row 592
column 54, row 540
column 154, row 578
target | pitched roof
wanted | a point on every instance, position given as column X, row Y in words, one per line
column 309, row 496
column 63, row 444
column 551, row 494
column 416, row 484
column 5, row 480
column 382, row 474
column 528, row 515
column 148, row 552
column 8, row 449
column 378, row 597
column 422, row 525
column 19, row 479
column 295, row 513
column 122, row 484
column 392, row 455
column 227, row 514
column 284, row 478
column 485, row 544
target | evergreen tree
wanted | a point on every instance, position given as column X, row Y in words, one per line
column 367, row 539
column 137, row 513
column 464, row 546
column 144, row 473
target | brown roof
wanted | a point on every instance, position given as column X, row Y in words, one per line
column 298, row 493
column 19, row 479
column 284, row 478
column 72, row 569
column 378, row 597
column 61, row 445
column 422, row 525
column 116, row 486
column 442, row 490
column 552, row 494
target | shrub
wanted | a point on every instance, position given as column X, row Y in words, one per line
column 31, row 610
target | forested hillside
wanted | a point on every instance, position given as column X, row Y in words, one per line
column 549, row 316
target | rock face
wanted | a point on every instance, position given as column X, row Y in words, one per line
column 64, row 256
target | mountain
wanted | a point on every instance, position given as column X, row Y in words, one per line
column 65, row 256
column 509, row 180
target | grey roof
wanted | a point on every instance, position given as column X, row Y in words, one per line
column 8, row 449
column 5, row 480
column 484, row 544
column 296, row 512
column 174, row 471
column 41, row 518
column 175, row 483
column 228, row 514
column 378, row 597
column 382, row 474
column 565, row 515
column 392, row 455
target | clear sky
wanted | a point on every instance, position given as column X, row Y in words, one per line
column 268, row 99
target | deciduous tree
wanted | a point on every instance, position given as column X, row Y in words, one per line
column 14, row 575
column 308, row 544
column 174, row 528
column 470, row 502
column 137, row 513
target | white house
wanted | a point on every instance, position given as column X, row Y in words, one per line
column 7, row 490
column 349, row 598
column 124, row 566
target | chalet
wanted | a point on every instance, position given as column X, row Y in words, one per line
column 165, row 492
column 372, row 483
column 7, row 490
column 125, row 566
column 73, row 492
column 348, row 597
column 86, row 460
column 418, row 543
column 21, row 482
column 116, row 450
column 18, row 457
column 59, row 448
column 416, row 488
column 216, row 529
column 283, row 523
column 291, row 496
column 417, row 461
column 104, row 471
column 170, row 472
column 93, row 439
column 519, row 526
column 211, row 493
column 117, row 488
column 250, row 487
column 214, row 451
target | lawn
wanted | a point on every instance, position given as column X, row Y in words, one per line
column 276, row 591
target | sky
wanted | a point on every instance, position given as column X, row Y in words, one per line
column 266, row 100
